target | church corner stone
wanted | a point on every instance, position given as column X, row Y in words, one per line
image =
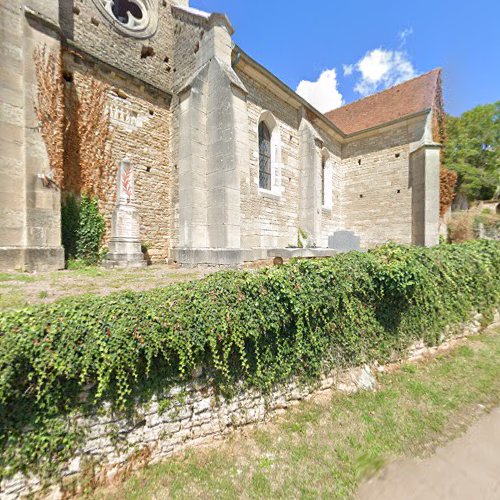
column 125, row 244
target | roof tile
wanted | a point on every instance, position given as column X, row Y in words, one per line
column 401, row 100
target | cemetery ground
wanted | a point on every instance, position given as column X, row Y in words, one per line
column 18, row 289
column 327, row 447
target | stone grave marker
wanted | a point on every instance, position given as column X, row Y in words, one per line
column 125, row 244
column 344, row 241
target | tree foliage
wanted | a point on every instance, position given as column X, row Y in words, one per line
column 472, row 150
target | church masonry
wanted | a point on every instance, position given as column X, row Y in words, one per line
column 230, row 164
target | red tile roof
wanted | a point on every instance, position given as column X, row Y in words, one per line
column 401, row 100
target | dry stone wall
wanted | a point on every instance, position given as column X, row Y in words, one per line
column 193, row 415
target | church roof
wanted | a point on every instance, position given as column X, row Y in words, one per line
column 405, row 99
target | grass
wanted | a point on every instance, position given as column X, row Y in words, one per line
column 326, row 447
column 19, row 289
column 17, row 276
column 12, row 300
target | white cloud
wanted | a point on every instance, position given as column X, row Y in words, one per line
column 323, row 93
column 348, row 69
column 380, row 69
column 403, row 35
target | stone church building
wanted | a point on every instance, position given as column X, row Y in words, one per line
column 231, row 165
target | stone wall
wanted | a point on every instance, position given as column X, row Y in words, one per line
column 140, row 124
column 333, row 219
column 84, row 25
column 270, row 221
column 377, row 191
column 29, row 207
column 12, row 195
column 193, row 415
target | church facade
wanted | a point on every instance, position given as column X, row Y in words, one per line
column 231, row 165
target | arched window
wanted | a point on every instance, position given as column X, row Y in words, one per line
column 323, row 166
column 264, row 157
column 269, row 155
column 326, row 180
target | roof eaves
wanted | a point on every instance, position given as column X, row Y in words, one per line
column 242, row 55
column 389, row 123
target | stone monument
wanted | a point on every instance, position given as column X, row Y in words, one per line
column 344, row 241
column 125, row 244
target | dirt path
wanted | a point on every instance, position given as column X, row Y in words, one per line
column 467, row 468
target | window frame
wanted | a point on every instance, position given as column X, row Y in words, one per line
column 265, row 156
column 326, row 180
column 275, row 187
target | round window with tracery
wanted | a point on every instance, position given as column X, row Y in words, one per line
column 137, row 18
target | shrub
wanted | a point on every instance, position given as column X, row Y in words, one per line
column 90, row 231
column 70, row 221
column 259, row 328
column 83, row 228
column 461, row 227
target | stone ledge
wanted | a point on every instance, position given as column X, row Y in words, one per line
column 208, row 256
column 31, row 258
column 290, row 253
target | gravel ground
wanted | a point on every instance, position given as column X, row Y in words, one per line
column 19, row 289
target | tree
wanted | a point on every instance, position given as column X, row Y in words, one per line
column 472, row 150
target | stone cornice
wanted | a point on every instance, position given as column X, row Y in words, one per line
column 202, row 19
column 42, row 19
column 104, row 66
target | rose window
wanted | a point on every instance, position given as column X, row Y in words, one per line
column 138, row 18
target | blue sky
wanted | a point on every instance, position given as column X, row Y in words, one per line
column 371, row 45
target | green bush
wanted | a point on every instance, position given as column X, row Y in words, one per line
column 70, row 221
column 90, row 231
column 256, row 327
column 83, row 228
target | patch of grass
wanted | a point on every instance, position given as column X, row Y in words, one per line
column 325, row 448
column 12, row 300
column 84, row 270
column 17, row 277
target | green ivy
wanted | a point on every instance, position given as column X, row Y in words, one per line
column 90, row 231
column 259, row 328
column 70, row 221
column 83, row 228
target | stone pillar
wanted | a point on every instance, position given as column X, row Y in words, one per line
column 30, row 236
column 425, row 165
column 310, row 182
column 125, row 244
column 192, row 166
column 213, row 146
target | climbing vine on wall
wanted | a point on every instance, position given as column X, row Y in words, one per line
column 88, row 136
column 49, row 107
column 447, row 182
column 238, row 327
column 447, row 178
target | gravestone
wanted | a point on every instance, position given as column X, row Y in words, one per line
column 344, row 241
column 125, row 244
